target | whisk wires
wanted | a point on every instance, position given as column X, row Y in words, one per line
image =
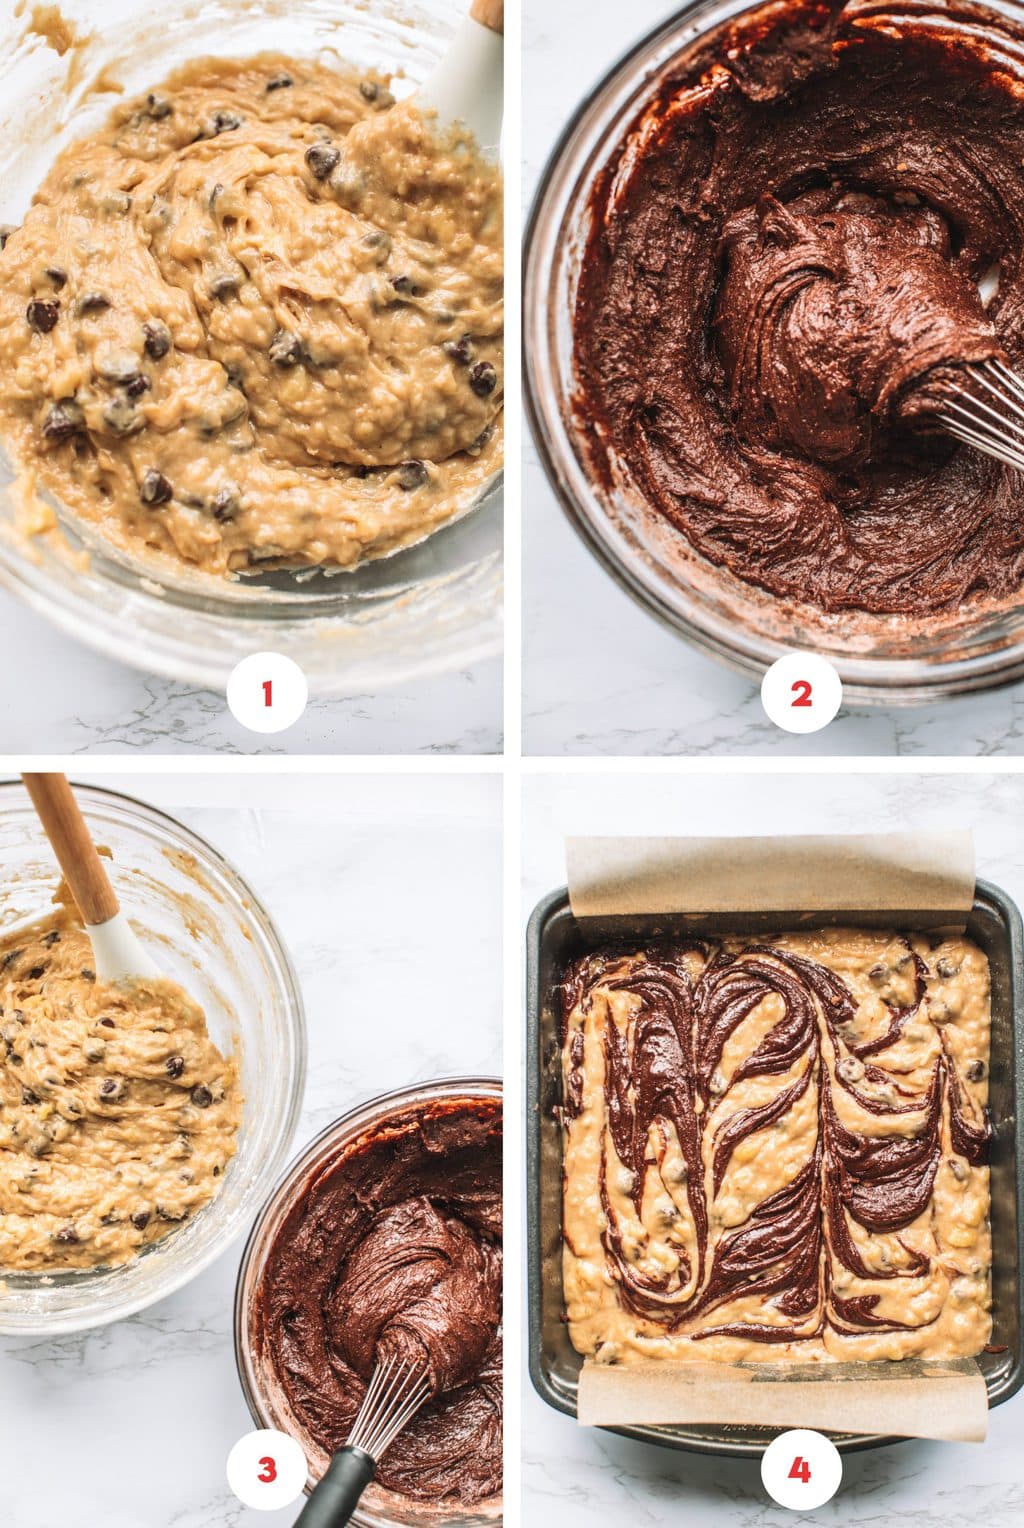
column 396, row 1391
column 993, row 423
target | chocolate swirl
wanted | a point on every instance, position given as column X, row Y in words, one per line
column 665, row 1087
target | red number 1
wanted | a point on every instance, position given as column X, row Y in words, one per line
column 268, row 692
column 802, row 691
column 800, row 1470
column 269, row 1471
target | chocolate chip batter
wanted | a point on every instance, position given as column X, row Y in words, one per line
column 782, row 278
column 394, row 1250
column 257, row 320
column 118, row 1114
column 777, row 1149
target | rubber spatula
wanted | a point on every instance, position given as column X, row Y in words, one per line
column 468, row 84
column 117, row 954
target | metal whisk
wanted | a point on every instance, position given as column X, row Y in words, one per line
column 991, row 420
column 396, row 1391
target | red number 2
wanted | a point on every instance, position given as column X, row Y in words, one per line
column 269, row 1471
column 268, row 692
column 800, row 1469
column 801, row 690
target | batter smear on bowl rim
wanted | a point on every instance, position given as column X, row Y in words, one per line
column 782, row 281
column 778, row 1149
column 256, row 320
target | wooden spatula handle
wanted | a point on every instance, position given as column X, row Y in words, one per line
column 72, row 843
column 489, row 13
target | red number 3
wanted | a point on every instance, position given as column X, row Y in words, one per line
column 802, row 692
column 269, row 1471
column 800, row 1469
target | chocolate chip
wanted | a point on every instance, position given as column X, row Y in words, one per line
column 154, row 488
column 285, row 348
column 137, row 386
column 174, row 1066
column 92, row 303
column 850, row 1069
column 411, row 474
column 158, row 107
column 322, row 158
column 224, row 284
column 10, row 958
column 403, row 285
column 28, row 1097
column 52, row 938
column 94, row 1050
column 57, row 276
column 111, row 1089
column 461, row 351
column 141, row 1219
column 369, row 90
column 42, row 316
column 279, row 82
column 879, row 974
column 483, row 379
column 225, row 505
column 173, row 1217
column 62, row 421
column 121, row 418
column 226, row 122
column 35, row 973
column 946, row 968
column 6, row 229
column 201, row 1096
column 67, row 1236
column 961, row 1172
column 158, row 339
column 476, row 446
column 975, row 1072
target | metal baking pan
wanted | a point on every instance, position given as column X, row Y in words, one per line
column 555, row 938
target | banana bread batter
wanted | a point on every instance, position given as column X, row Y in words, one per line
column 394, row 1250
column 118, row 1115
column 777, row 1149
column 257, row 320
column 780, row 282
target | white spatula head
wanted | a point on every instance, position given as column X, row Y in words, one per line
column 117, row 953
column 468, row 84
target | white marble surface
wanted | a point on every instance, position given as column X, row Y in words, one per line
column 600, row 675
column 130, row 1426
column 60, row 697
column 578, row 1478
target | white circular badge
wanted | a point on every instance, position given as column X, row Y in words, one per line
column 801, row 1469
column 801, row 692
column 267, row 1470
column 267, row 692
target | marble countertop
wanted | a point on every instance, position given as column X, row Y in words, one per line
column 61, row 697
column 600, row 675
column 130, row 1425
column 579, row 1477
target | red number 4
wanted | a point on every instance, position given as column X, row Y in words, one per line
column 800, row 1470
column 268, row 1472
column 268, row 692
column 802, row 692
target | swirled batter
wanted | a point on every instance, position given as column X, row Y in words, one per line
column 118, row 1114
column 257, row 320
column 781, row 280
column 778, row 1149
column 394, row 1250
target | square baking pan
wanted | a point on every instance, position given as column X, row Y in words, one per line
column 555, row 938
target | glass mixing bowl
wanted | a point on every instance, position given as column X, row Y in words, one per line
column 431, row 607
column 268, row 1406
column 884, row 662
column 206, row 929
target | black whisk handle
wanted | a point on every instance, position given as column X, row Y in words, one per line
column 337, row 1494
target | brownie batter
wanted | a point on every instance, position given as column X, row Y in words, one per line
column 782, row 279
column 394, row 1250
column 118, row 1114
column 778, row 1149
column 257, row 320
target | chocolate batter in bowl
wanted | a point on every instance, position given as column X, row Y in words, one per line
column 385, row 1237
column 209, row 933
column 263, row 539
column 749, row 203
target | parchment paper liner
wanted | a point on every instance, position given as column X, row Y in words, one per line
column 929, row 875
